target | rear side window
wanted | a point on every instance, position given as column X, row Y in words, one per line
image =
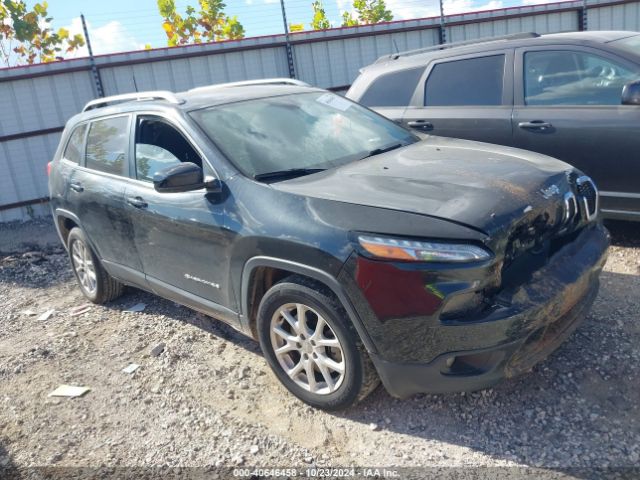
column 393, row 89
column 75, row 147
column 107, row 145
column 474, row 81
column 158, row 146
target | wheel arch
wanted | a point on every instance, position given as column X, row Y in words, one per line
column 248, row 305
column 64, row 222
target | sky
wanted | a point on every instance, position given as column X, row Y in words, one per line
column 124, row 25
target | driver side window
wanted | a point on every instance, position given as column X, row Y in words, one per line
column 563, row 77
column 159, row 145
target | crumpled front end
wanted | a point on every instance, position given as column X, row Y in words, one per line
column 524, row 325
column 442, row 328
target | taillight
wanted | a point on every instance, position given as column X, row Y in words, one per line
column 49, row 169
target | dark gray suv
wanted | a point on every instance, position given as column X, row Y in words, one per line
column 573, row 96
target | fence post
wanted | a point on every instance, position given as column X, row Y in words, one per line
column 442, row 29
column 94, row 70
column 292, row 71
column 582, row 17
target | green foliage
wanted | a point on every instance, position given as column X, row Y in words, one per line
column 26, row 35
column 368, row 12
column 348, row 20
column 320, row 20
column 296, row 27
column 209, row 24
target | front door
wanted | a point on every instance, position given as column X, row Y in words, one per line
column 567, row 105
column 180, row 237
column 466, row 97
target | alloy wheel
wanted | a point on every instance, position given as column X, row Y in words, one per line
column 83, row 266
column 307, row 348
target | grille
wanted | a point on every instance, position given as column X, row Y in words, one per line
column 588, row 194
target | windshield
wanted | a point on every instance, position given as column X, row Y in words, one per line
column 303, row 132
column 630, row 44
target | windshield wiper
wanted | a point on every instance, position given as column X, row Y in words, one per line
column 380, row 150
column 290, row 173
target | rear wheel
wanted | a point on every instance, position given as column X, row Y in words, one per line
column 96, row 284
column 311, row 346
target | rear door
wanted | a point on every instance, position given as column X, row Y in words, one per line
column 391, row 93
column 180, row 236
column 567, row 105
column 467, row 96
column 96, row 191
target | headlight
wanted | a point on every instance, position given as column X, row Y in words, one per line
column 412, row 250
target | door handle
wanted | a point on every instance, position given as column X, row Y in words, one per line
column 76, row 187
column 421, row 125
column 535, row 125
column 137, row 202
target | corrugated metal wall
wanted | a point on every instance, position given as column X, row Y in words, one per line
column 36, row 101
column 617, row 17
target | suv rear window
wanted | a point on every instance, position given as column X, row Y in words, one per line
column 393, row 89
column 74, row 149
column 107, row 145
column 473, row 81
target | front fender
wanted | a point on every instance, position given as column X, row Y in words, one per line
column 317, row 274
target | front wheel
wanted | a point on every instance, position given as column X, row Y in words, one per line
column 311, row 346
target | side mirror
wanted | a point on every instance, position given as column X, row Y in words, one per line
column 631, row 93
column 183, row 177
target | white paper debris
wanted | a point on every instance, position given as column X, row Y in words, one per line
column 80, row 309
column 138, row 307
column 132, row 367
column 334, row 101
column 46, row 315
column 69, row 391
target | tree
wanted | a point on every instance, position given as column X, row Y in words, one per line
column 210, row 24
column 320, row 20
column 368, row 12
column 296, row 27
column 26, row 35
column 348, row 20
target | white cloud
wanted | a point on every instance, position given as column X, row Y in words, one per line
column 111, row 37
column 404, row 10
column 452, row 7
column 346, row 6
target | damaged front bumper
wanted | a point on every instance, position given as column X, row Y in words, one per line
column 523, row 328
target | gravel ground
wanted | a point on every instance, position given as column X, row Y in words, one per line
column 209, row 399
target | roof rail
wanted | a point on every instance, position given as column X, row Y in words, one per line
column 262, row 81
column 433, row 48
column 138, row 96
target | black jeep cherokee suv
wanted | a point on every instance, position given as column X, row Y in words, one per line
column 351, row 248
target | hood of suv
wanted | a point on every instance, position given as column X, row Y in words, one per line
column 476, row 184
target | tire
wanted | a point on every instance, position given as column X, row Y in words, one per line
column 330, row 368
column 94, row 281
